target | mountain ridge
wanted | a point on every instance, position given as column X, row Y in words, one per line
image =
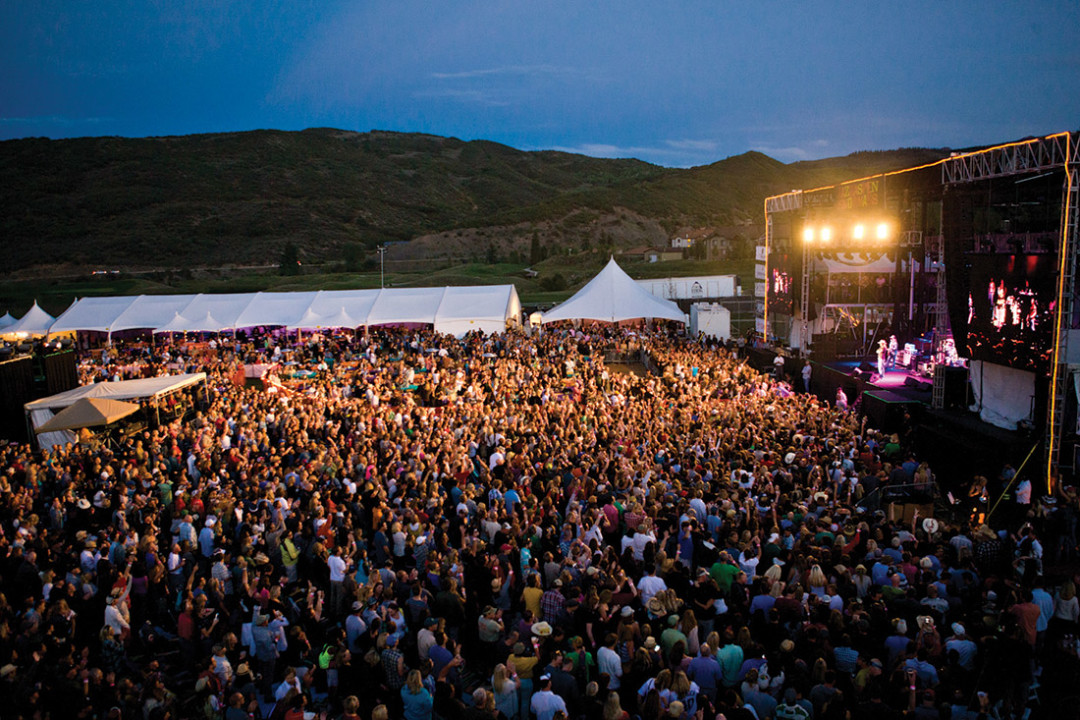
column 242, row 197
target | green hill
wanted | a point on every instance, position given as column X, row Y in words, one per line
column 240, row 198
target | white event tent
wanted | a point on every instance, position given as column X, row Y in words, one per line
column 35, row 322
column 453, row 310
column 613, row 296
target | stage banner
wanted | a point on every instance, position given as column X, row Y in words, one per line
column 759, row 289
column 761, row 253
column 867, row 261
column 865, row 194
column 760, row 272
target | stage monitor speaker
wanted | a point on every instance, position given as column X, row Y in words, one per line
column 911, row 382
column 956, row 388
column 16, row 389
column 867, row 367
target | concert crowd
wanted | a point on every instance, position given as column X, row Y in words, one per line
column 591, row 523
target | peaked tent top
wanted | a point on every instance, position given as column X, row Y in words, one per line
column 6, row 320
column 88, row 412
column 612, row 296
column 35, row 322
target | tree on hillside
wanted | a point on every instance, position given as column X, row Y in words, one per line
column 536, row 253
column 290, row 259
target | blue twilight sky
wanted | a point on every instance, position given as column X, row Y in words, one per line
column 673, row 83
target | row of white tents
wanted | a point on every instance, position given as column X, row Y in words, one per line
column 611, row 296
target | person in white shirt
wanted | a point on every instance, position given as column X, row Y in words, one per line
column 608, row 661
column 545, row 703
column 641, row 539
column 338, row 567
column 649, row 585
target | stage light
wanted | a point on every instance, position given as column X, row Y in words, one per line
column 882, row 231
column 808, row 235
column 826, row 234
column 859, row 232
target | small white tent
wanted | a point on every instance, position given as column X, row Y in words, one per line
column 6, row 320
column 612, row 296
column 35, row 322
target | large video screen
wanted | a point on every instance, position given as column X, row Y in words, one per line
column 1011, row 305
column 781, row 287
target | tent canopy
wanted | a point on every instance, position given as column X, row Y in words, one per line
column 6, row 320
column 123, row 390
column 88, row 412
column 612, row 296
column 35, row 322
column 450, row 309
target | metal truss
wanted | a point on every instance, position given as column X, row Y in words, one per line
column 1027, row 156
column 784, row 203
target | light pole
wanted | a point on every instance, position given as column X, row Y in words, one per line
column 382, row 253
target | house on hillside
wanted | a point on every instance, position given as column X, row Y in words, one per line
column 652, row 254
column 719, row 242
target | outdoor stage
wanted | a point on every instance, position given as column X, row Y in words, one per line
column 953, row 439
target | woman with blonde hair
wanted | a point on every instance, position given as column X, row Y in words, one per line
column 862, row 582
column 816, row 580
column 682, row 690
column 690, row 629
column 505, row 686
column 415, row 698
column 613, row 708
column 1066, row 607
column 773, row 574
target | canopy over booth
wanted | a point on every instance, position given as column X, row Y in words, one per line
column 88, row 412
column 613, row 296
column 454, row 310
column 142, row 388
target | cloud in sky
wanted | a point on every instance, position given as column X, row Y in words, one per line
column 683, row 86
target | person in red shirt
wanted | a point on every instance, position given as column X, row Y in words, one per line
column 1027, row 616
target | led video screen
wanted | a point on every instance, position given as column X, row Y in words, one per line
column 780, row 285
column 1011, row 305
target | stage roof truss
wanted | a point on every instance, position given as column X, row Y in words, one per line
column 784, row 203
column 1027, row 156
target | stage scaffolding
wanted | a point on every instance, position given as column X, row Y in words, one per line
column 1054, row 152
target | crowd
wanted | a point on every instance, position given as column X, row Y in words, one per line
column 413, row 526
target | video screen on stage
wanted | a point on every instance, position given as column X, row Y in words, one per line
column 781, row 285
column 1011, row 305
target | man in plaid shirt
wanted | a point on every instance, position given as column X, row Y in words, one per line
column 552, row 603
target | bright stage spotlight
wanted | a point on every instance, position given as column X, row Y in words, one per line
column 826, row 234
column 808, row 235
column 882, row 231
column 858, row 232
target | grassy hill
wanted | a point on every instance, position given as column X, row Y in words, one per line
column 238, row 198
column 217, row 211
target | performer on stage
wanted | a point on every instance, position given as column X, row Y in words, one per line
column 978, row 501
column 882, row 355
column 894, row 349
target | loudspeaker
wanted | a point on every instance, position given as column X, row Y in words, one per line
column 867, row 367
column 956, row 387
column 911, row 382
